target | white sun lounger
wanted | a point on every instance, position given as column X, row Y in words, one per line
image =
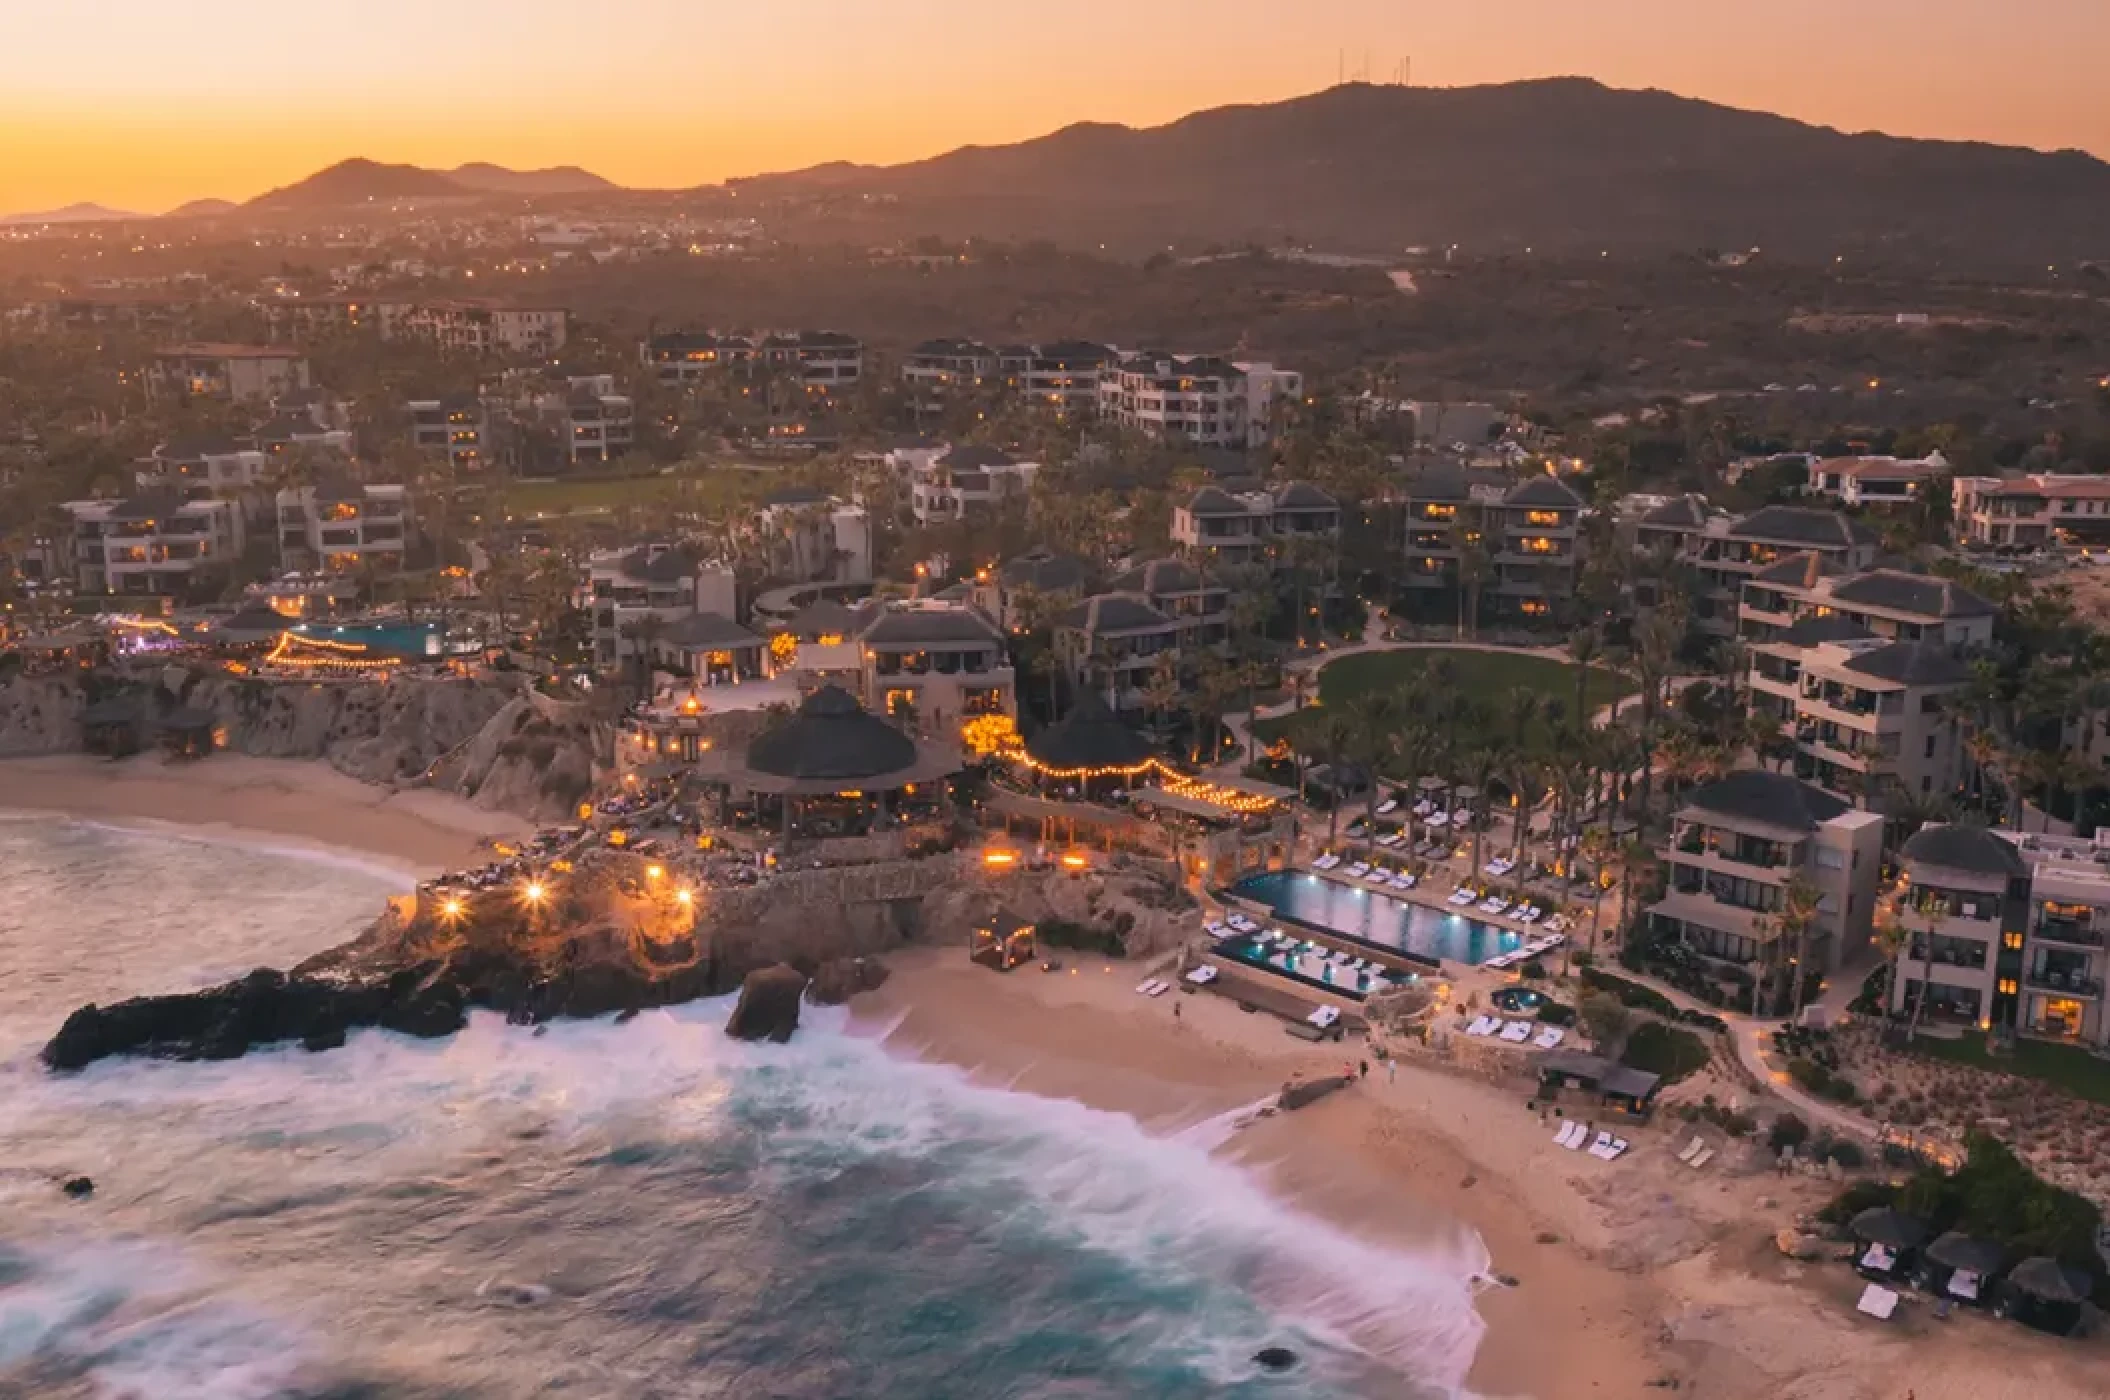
column 1878, row 1302
column 1150, row 988
column 1692, row 1150
column 1576, row 1140
column 1388, row 807
column 1423, row 807
column 1401, row 881
column 1324, row 1017
column 1460, row 896
column 1557, row 924
column 1549, row 1038
column 1326, row 862
column 1702, row 1159
column 1493, row 904
column 1517, row 1032
column 1482, row 1025
column 1608, row 1147
column 1378, row 875
column 1359, row 869
column 1216, row 928
column 1439, row 819
column 1572, row 1133
column 1390, row 838
column 1202, row 976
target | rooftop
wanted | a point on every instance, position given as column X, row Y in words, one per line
column 1920, row 594
column 918, row 626
column 1968, row 848
column 1547, row 492
column 1682, row 512
column 1801, row 526
column 1769, row 799
column 832, row 738
column 1911, row 663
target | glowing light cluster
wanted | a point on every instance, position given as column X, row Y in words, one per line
column 1230, row 799
column 320, row 654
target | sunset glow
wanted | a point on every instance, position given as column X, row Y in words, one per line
column 146, row 105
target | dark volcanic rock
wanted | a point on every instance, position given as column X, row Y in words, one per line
column 1275, row 1358
column 769, row 1005
column 1309, row 1091
column 78, row 1187
column 836, row 981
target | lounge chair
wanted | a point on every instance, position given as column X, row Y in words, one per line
column 1423, row 807
column 1602, row 1147
column 1549, row 1038
column 1390, row 839
column 1576, row 1140
column 1617, row 1150
column 1482, row 1025
column 1358, row 870
column 1438, row 819
column 1202, row 976
column 1388, row 807
column 1692, row 1150
column 1461, row 896
column 1569, row 1128
column 1517, row 1032
column 1494, row 904
column 1557, row 924
column 1378, row 875
column 1216, row 928
column 1146, row 988
column 1401, row 881
column 1159, row 989
column 1326, row 862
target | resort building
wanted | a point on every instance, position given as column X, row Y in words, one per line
column 2064, row 962
column 288, row 436
column 1199, row 607
column 637, row 594
column 1888, row 603
column 1964, row 903
column 1535, row 537
column 936, row 368
column 821, row 360
column 1109, row 646
column 1735, row 847
column 344, row 527
column 1063, row 376
column 1878, row 482
column 220, row 465
column 457, row 426
column 2030, row 512
column 967, row 482
column 1198, row 399
column 242, row 372
column 1246, row 526
column 944, row 663
column 711, row 649
column 594, row 422
column 1445, row 509
column 158, row 544
column 813, row 537
column 475, row 327
column 1670, row 528
column 1054, row 581
column 1868, row 716
column 1725, row 553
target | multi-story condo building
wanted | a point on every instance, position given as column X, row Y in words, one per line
column 288, row 436
column 2065, row 963
column 1724, row 553
column 1535, row 536
column 1867, row 716
column 1735, row 847
column 1877, row 482
column 944, row 660
column 220, row 464
column 475, row 327
column 812, row 537
column 1199, row 399
column 938, row 367
column 157, row 544
column 637, row 594
column 343, row 527
column 457, row 426
column 1964, row 904
column 1054, row 580
column 967, row 482
column 823, row 360
column 598, row 424
column 1446, row 508
column 1247, row 525
column 1886, row 603
column 1063, row 376
column 2030, row 512
column 1672, row 528
column 1109, row 645
column 245, row 372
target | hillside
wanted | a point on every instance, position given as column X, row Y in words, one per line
column 358, row 182
column 496, row 179
column 203, row 209
column 1561, row 165
column 71, row 214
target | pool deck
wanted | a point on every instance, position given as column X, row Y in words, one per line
column 1433, row 891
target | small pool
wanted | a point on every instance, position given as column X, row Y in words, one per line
column 1307, row 965
column 1521, row 1000
column 1376, row 920
column 412, row 641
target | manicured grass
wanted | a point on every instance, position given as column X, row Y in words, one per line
column 700, row 492
column 1487, row 676
column 2061, row 1066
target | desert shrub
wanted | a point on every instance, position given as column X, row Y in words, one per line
column 1665, row 1050
column 1089, row 938
column 1862, row 1195
column 1555, row 1013
column 1846, row 1153
column 1630, row 993
column 1788, row 1131
column 1534, row 971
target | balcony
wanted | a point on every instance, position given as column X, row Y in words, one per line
column 2079, row 986
column 2068, row 933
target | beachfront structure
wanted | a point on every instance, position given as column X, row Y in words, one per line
column 1878, row 483
column 1525, row 536
column 155, row 544
column 2065, row 964
column 832, row 769
column 343, row 527
column 1089, row 750
column 250, row 373
column 2030, row 512
column 711, row 649
column 968, row 482
column 1002, row 940
column 1735, row 847
column 454, row 426
column 475, row 327
column 1248, row 525
column 635, row 595
column 1199, row 399
column 1963, row 904
column 1867, row 716
column 1888, row 603
column 1724, row 554
column 222, row 465
column 821, row 360
column 943, row 663
column 813, row 537
column 1055, row 580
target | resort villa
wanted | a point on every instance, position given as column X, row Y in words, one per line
column 1867, row 716
column 2030, row 512
column 1247, row 526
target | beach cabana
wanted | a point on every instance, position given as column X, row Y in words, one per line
column 256, row 624
column 1002, row 941
column 111, row 727
column 1617, row 1086
column 188, row 732
column 713, row 649
column 1887, row 1238
column 1962, row 1266
column 1090, row 749
column 2045, row 1294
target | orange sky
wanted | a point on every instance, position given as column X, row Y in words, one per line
column 145, row 103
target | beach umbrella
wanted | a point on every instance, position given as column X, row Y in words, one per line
column 1959, row 1251
column 1464, row 793
column 1433, row 784
column 1884, row 1226
column 2049, row 1281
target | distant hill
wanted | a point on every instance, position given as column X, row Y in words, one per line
column 71, row 214
column 358, row 181
column 561, row 179
column 203, row 209
column 1561, row 166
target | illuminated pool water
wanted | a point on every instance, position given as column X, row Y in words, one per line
column 412, row 641
column 1376, row 920
column 1309, row 965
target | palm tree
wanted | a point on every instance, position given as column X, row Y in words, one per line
column 1584, row 648
column 1334, row 734
column 1796, row 917
column 1481, row 765
column 1372, row 719
column 1162, row 690
column 1474, row 565
column 1048, row 667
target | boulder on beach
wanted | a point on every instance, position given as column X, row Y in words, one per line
column 1797, row 1245
column 78, row 1187
column 1298, row 1093
column 768, row 1008
column 839, row 979
column 1275, row 1358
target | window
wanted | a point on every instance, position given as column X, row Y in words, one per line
column 1828, row 859
column 1928, row 754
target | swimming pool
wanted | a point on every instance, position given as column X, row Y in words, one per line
column 1308, row 965
column 412, row 641
column 1376, row 920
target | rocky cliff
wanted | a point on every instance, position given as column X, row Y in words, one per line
column 491, row 739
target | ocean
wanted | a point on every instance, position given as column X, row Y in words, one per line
column 647, row 1210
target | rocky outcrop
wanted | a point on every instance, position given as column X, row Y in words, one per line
column 1143, row 911
column 839, row 979
column 769, row 1005
column 1303, row 1092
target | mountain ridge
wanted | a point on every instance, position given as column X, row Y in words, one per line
column 83, row 212
column 359, row 180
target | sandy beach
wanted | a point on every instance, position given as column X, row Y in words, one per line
column 1632, row 1277
column 281, row 801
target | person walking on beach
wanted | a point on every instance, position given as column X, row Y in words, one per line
column 1175, row 1011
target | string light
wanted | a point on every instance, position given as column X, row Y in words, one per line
column 1231, row 799
column 293, row 653
column 1148, row 765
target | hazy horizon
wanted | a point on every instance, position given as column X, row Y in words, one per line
column 134, row 106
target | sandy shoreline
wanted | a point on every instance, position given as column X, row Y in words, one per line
column 259, row 800
column 1630, row 1276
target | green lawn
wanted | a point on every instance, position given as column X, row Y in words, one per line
column 1485, row 675
column 700, row 492
column 2062, row 1066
